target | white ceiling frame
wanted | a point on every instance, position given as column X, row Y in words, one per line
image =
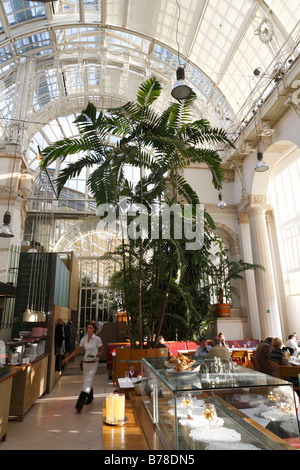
column 126, row 14
column 199, row 23
column 81, row 11
column 234, row 47
column 4, row 21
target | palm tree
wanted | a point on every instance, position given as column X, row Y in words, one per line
column 161, row 146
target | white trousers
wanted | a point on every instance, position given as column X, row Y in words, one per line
column 89, row 371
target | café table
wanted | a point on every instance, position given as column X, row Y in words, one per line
column 293, row 370
column 188, row 352
column 294, row 361
column 125, row 385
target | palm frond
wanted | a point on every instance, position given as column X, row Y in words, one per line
column 148, row 92
column 74, row 169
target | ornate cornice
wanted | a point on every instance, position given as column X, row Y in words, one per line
column 253, row 201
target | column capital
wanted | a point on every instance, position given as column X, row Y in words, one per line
column 256, row 204
column 243, row 218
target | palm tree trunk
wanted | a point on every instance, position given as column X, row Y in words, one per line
column 125, row 296
column 164, row 305
column 140, row 266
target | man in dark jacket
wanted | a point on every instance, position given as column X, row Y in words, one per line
column 263, row 353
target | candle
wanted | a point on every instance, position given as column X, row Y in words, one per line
column 110, row 408
column 120, row 408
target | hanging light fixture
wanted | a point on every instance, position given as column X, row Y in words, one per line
column 5, row 230
column 221, row 204
column 180, row 91
column 261, row 164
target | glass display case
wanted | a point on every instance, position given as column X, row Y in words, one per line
column 218, row 405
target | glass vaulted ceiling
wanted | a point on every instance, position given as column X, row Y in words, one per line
column 56, row 56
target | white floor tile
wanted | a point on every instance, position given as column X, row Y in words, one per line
column 52, row 423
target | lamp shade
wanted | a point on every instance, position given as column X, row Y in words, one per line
column 181, row 90
column 221, row 204
column 260, row 165
column 5, row 230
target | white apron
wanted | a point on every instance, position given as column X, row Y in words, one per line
column 90, row 361
column 89, row 371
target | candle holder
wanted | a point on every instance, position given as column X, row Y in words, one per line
column 115, row 410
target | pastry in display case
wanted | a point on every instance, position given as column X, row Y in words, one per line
column 213, row 404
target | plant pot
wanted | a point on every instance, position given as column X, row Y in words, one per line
column 221, row 310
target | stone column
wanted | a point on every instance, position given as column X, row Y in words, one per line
column 265, row 289
column 253, row 316
column 278, row 276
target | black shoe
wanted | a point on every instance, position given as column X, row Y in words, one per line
column 90, row 397
column 81, row 401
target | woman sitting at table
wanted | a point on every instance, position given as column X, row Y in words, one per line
column 222, row 340
column 277, row 354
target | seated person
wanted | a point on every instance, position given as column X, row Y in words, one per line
column 219, row 351
column 222, row 340
column 292, row 344
column 277, row 354
column 263, row 353
column 203, row 349
column 161, row 344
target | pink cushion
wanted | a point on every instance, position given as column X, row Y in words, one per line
column 175, row 345
column 192, row 344
column 240, row 343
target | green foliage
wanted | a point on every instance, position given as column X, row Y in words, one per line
column 161, row 282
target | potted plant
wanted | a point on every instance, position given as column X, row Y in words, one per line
column 222, row 272
column 160, row 146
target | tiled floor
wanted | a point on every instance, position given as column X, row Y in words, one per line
column 53, row 423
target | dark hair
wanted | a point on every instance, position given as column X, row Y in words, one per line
column 291, row 336
column 216, row 340
column 202, row 339
column 93, row 325
column 268, row 340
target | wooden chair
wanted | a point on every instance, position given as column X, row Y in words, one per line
column 290, row 371
column 240, row 357
column 274, row 366
column 285, row 372
column 255, row 363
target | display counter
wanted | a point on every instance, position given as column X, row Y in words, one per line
column 28, row 384
column 6, row 378
column 218, row 405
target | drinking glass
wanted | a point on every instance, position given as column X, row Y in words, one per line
column 126, row 374
column 186, row 399
column 210, row 412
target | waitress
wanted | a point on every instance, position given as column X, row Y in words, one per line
column 93, row 348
